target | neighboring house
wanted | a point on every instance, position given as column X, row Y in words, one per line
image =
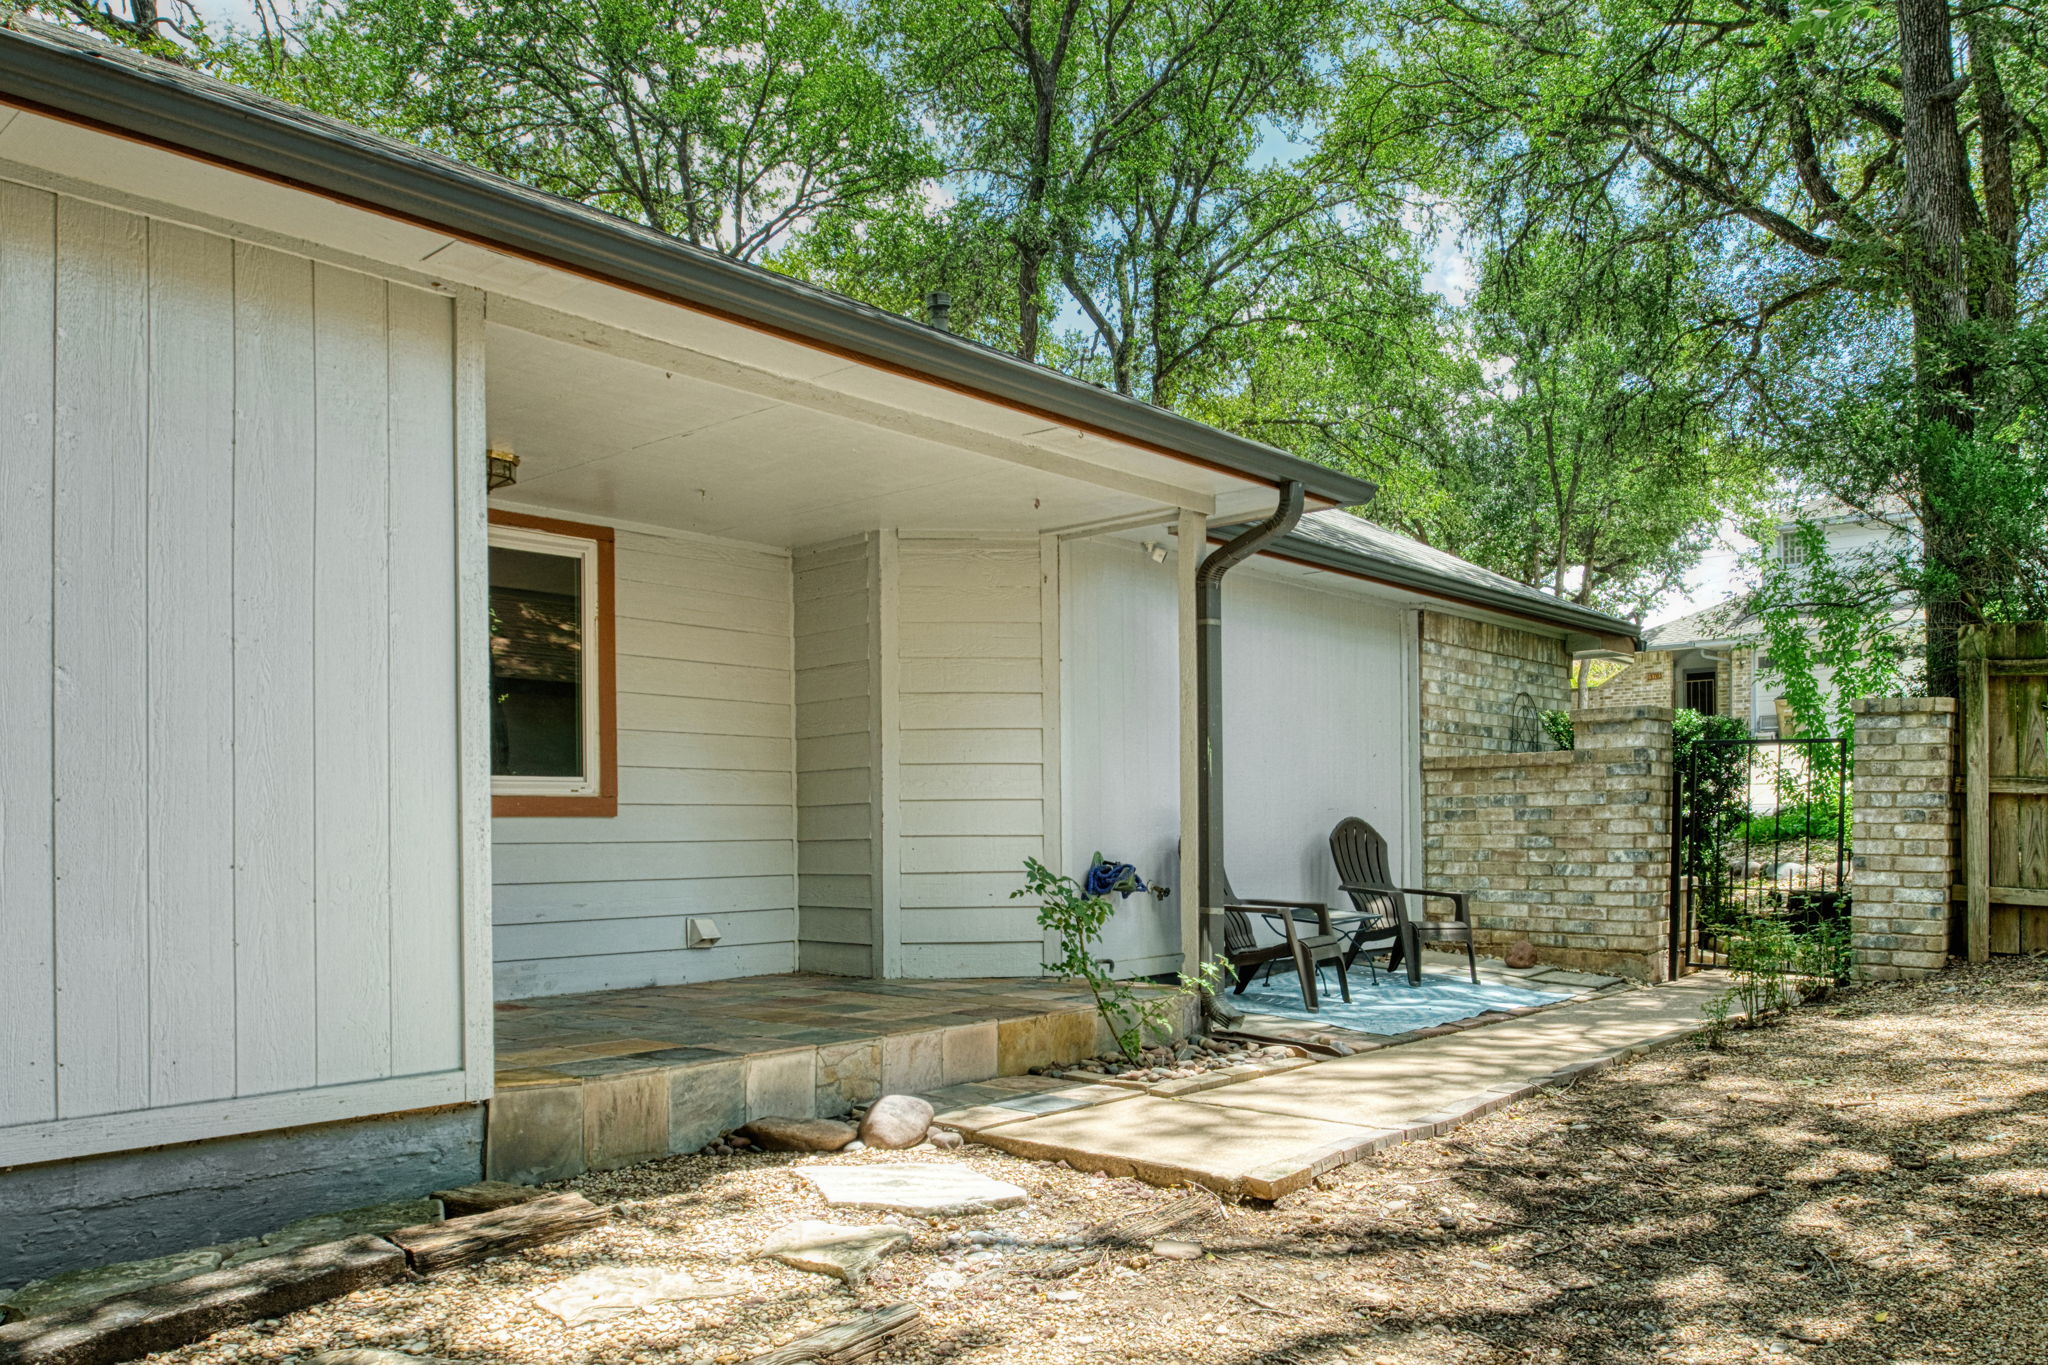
column 1709, row 660
column 796, row 630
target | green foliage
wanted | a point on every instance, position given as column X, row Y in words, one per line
column 1558, row 725
column 1775, row 967
column 1134, row 1011
column 1857, row 189
column 731, row 125
column 1821, row 819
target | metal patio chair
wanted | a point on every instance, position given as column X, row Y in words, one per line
column 1382, row 905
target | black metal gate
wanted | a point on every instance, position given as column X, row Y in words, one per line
column 1759, row 828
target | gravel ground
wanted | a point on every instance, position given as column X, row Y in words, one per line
column 1865, row 1182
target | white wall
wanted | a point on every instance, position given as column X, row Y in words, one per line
column 1320, row 722
column 230, row 843
column 1120, row 736
column 707, row 776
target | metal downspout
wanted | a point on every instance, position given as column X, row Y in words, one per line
column 1209, row 690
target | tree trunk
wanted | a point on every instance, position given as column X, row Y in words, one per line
column 1942, row 224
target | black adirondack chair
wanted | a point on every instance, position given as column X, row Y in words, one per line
column 1361, row 857
column 1241, row 947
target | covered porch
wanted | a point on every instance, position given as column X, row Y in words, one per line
column 593, row 1081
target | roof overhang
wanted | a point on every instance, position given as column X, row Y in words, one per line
column 110, row 89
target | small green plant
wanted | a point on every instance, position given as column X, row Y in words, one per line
column 1558, row 725
column 1134, row 1012
column 1775, row 967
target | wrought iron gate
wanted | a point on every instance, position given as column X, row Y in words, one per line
column 1760, row 827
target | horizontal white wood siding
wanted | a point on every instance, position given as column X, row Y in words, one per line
column 838, row 786
column 229, row 832
column 1319, row 723
column 707, row 809
column 971, row 766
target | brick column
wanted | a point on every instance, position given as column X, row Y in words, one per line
column 1905, row 812
column 1571, row 851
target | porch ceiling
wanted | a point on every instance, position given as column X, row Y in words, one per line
column 675, row 438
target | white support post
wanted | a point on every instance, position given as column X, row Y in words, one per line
column 1193, row 540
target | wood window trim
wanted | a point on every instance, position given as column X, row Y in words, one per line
column 604, row 802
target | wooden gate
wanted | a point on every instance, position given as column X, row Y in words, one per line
column 2005, row 785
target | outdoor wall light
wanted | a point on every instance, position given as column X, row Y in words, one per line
column 501, row 469
column 1156, row 551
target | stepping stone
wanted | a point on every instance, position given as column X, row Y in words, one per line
column 1173, row 1142
column 614, row 1291
column 847, row 1253
column 913, row 1189
column 779, row 1134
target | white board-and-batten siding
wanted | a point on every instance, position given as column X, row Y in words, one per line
column 230, row 846
column 706, row 822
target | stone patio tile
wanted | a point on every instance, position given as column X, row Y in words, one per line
column 705, row 1101
column 535, row 1134
column 621, row 1047
column 968, row 1053
column 514, row 1077
column 913, row 1063
column 1169, row 1142
column 590, row 1068
column 848, row 1074
column 782, row 1084
column 1558, row 976
column 1044, row 1039
column 625, row 1119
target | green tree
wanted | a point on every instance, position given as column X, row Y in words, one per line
column 1879, row 160
column 730, row 125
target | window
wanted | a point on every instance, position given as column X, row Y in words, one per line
column 1700, row 691
column 1790, row 549
column 554, row 745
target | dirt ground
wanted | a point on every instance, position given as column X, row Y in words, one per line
column 1864, row 1182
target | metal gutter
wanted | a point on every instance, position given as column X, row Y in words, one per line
column 114, row 90
column 1209, row 690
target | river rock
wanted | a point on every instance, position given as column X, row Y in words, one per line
column 1522, row 954
column 779, row 1134
column 896, row 1121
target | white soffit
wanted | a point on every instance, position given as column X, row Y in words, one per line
column 188, row 189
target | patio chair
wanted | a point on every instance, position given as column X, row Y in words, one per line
column 1361, row 857
column 1307, row 952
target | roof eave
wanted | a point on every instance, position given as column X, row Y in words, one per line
column 117, row 92
column 1564, row 615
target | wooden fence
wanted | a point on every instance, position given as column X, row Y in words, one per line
column 2005, row 789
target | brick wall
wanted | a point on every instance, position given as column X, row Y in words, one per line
column 1472, row 672
column 1571, row 851
column 1645, row 682
column 1741, row 672
column 1905, row 829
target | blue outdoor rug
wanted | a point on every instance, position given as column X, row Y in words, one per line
column 1392, row 1005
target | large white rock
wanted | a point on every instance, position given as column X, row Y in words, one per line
column 896, row 1121
column 830, row 1249
column 913, row 1189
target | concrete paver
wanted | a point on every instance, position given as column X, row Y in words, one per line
column 1268, row 1136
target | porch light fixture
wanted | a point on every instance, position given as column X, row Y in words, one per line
column 1155, row 551
column 501, row 469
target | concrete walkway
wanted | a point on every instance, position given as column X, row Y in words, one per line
column 1267, row 1137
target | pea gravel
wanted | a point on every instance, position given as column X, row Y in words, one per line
column 1864, row 1182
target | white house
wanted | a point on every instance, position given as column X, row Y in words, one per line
column 801, row 626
